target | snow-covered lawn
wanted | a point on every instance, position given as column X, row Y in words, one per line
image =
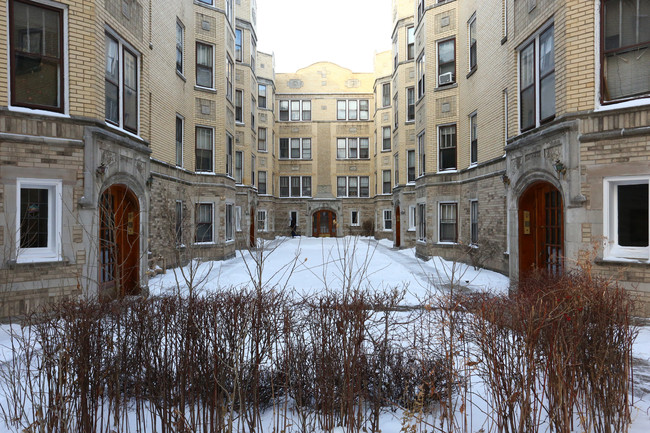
column 305, row 266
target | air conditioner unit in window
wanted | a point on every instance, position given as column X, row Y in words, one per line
column 446, row 78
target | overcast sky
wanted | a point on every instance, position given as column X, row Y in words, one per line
column 302, row 32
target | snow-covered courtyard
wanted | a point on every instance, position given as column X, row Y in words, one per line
column 304, row 266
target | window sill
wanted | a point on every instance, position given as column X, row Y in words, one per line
column 471, row 72
column 204, row 244
column 353, row 159
column 445, row 87
column 294, row 159
column 181, row 76
column 411, row 230
column 206, row 89
column 623, row 261
column 446, row 243
column 448, row 171
column 262, row 151
column 410, row 122
column 207, row 173
column 386, row 150
column 238, row 123
column 230, row 241
column 122, row 130
column 39, row 112
column 36, row 261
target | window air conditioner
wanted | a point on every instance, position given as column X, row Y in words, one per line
column 446, row 78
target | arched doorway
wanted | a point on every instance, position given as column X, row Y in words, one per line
column 324, row 224
column 119, row 242
column 398, row 240
column 541, row 229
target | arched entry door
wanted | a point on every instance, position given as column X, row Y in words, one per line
column 119, row 242
column 324, row 224
column 541, row 229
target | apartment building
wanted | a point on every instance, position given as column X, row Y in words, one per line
column 74, row 150
column 512, row 134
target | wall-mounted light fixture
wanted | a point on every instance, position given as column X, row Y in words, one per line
column 560, row 168
column 505, row 179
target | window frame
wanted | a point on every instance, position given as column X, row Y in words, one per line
column 239, row 171
column 410, row 168
column 385, row 130
column 179, row 214
column 386, row 186
column 62, row 61
column 473, row 221
column 421, row 67
column 305, row 190
column 472, row 59
column 262, row 145
column 387, row 220
column 229, row 229
column 440, row 65
column 612, row 251
column 410, row 43
column 53, row 251
column 211, row 223
column 410, row 104
column 230, row 67
column 473, row 139
column 421, row 154
column 261, row 184
column 421, row 222
column 239, row 46
column 301, row 149
column 124, row 47
column 180, row 144
column 385, row 95
column 262, row 220
column 261, row 95
column 441, row 149
column 196, row 148
column 180, row 47
column 358, row 215
column 441, row 222
column 210, row 68
column 239, row 107
column 230, row 147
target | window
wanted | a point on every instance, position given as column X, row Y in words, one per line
column 626, row 218
column 204, row 226
column 473, row 221
column 261, row 139
column 385, row 95
column 352, row 148
column 239, row 54
column 284, row 110
column 364, row 109
column 295, row 110
column 121, row 85
column 354, row 218
column 204, row 65
column 420, row 66
column 395, row 52
column 473, row 134
column 180, row 43
column 229, row 221
column 253, row 53
column 239, row 167
column 472, row 43
column 341, row 110
column 421, row 154
column 395, row 112
column 506, row 116
column 447, row 147
column 229, row 154
column 446, row 62
column 388, row 219
column 238, row 218
column 253, row 113
column 261, row 221
column 410, row 104
column 39, row 214
column 261, row 95
column 420, row 9
column 385, row 146
column 410, row 166
column 207, row 2
column 300, row 148
column 179, row 140
column 422, row 223
column 261, row 182
column 385, row 175
column 229, row 10
column 448, row 222
column 37, row 58
column 252, row 170
column 396, row 168
column 412, row 214
column 229, row 78
column 410, row 43
column 239, row 106
column 625, row 69
column 179, row 222
column 537, row 72
column 204, row 149
column 295, row 186
column 352, row 186
column 352, row 110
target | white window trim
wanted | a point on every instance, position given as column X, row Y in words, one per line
column 473, row 115
column 358, row 223
column 237, row 217
column 213, row 65
column 311, row 148
column 446, row 170
column 415, row 166
column 454, row 75
column 180, row 24
column 440, row 203
column 412, row 215
column 232, row 221
column 214, row 231
column 178, row 116
column 266, row 220
column 469, row 42
column 383, row 219
column 611, row 250
column 213, row 164
column 66, row 68
column 51, row 253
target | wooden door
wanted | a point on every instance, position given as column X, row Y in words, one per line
column 541, row 230
column 324, row 223
column 119, row 243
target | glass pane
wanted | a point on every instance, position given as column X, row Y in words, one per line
column 527, row 66
column 306, row 148
column 528, row 108
column 547, row 94
column 627, row 74
column 33, row 218
column 633, row 215
column 306, row 186
column 546, row 52
column 612, row 25
column 112, row 107
column 446, row 52
column 628, row 23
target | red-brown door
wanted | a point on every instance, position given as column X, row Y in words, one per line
column 324, row 224
column 119, row 243
column 541, row 230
